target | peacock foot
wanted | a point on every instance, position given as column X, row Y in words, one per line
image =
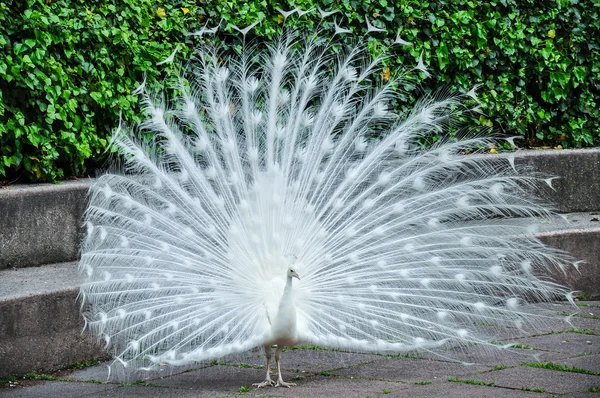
column 281, row 383
column 267, row 383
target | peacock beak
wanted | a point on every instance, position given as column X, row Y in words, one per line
column 297, row 276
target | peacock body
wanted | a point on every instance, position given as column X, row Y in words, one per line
column 266, row 164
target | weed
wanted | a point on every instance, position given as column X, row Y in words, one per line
column 532, row 389
column 407, row 355
column 311, row 348
column 35, row 376
column 560, row 368
column 473, row 382
column 422, row 383
column 245, row 389
column 243, row 365
column 499, row 367
column 8, row 380
column 85, row 364
column 524, row 347
column 594, row 389
column 589, row 331
column 386, row 391
column 578, row 331
column 325, row 373
column 298, row 378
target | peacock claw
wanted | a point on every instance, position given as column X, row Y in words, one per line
column 267, row 382
column 282, row 383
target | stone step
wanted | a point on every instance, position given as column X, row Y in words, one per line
column 41, row 224
column 41, row 327
column 40, row 231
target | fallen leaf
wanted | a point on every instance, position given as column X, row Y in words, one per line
column 552, row 33
column 185, row 10
column 385, row 75
column 161, row 13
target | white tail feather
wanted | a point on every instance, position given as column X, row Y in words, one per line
column 398, row 248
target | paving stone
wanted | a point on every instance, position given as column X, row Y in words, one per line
column 462, row 390
column 219, row 378
column 588, row 362
column 551, row 381
column 55, row 389
column 410, row 370
column 333, row 387
column 581, row 395
column 117, row 375
column 314, row 360
column 571, row 343
column 493, row 357
column 145, row 392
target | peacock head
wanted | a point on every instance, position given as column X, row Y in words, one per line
column 291, row 273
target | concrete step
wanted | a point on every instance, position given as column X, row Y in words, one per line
column 41, row 224
column 41, row 328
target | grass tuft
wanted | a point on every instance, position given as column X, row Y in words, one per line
column 532, row 389
column 560, row 368
column 85, row 364
column 473, row 382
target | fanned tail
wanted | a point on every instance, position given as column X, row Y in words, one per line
column 273, row 155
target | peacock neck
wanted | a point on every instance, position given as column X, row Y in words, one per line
column 287, row 291
column 288, row 286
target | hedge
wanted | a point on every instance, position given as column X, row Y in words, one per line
column 68, row 68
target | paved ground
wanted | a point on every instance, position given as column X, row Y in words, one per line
column 564, row 361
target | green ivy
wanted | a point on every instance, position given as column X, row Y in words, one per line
column 68, row 68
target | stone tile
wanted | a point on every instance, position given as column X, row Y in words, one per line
column 118, row 374
column 588, row 362
column 410, row 370
column 462, row 390
column 145, row 392
column 225, row 379
column 334, row 387
column 55, row 389
column 570, row 343
column 551, row 381
column 314, row 360
column 492, row 357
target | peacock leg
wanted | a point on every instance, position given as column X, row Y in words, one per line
column 280, row 382
column 268, row 381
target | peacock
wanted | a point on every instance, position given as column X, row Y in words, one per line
column 280, row 198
